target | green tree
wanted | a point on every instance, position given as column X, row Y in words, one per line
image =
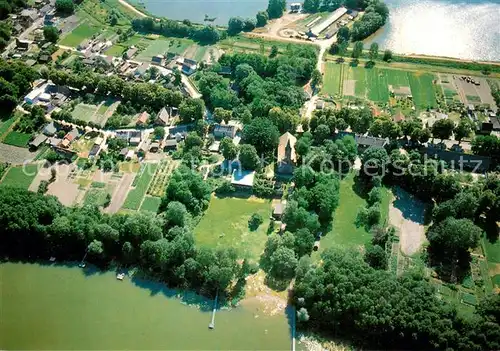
column 65, row 6
column 274, row 51
column 376, row 257
column 302, row 315
column 275, row 8
column 373, row 54
column 221, row 114
column 159, row 133
column 387, row 55
column 262, row 17
column 229, row 149
column 51, row 34
column 374, row 160
column 235, row 25
column 249, row 158
column 343, row 35
column 176, row 214
column 255, row 221
column 316, row 79
column 283, row 263
column 262, row 134
column 357, row 50
column 304, row 242
column 462, row 130
column 191, row 110
column 443, row 129
column 96, row 249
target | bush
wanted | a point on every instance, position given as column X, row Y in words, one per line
column 43, row 187
column 225, row 188
column 255, row 221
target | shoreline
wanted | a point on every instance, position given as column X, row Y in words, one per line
column 130, row 6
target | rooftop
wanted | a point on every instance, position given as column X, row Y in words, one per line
column 242, row 178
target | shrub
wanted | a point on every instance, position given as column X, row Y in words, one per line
column 255, row 221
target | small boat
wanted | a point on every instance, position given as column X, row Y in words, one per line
column 82, row 265
column 52, row 259
column 120, row 276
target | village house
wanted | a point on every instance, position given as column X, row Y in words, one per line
column 459, row 160
column 286, row 156
column 27, row 17
column 225, row 131
column 50, row 129
column 23, row 45
column 398, row 117
column 130, row 53
column 143, row 119
column 278, row 210
column 154, row 147
column 123, row 153
column 170, row 145
column 39, row 140
column 242, row 180
column 157, row 60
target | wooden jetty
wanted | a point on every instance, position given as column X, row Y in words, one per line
column 212, row 322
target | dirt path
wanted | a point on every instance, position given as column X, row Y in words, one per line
column 407, row 214
column 132, row 8
column 120, row 193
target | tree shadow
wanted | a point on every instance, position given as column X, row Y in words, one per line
column 411, row 207
column 276, row 284
column 361, row 186
column 369, row 64
column 449, row 269
column 187, row 297
column 491, row 229
column 354, row 62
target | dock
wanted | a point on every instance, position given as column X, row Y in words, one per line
column 212, row 322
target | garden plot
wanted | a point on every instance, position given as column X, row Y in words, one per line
column 423, row 90
column 407, row 214
column 332, row 84
column 79, row 34
column 141, row 185
column 159, row 182
column 18, row 139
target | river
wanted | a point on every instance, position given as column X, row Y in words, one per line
column 454, row 28
column 61, row 307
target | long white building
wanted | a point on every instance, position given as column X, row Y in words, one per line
column 317, row 29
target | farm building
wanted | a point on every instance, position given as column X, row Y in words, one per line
column 94, row 152
column 295, row 7
column 158, row 59
column 39, row 140
column 278, row 210
column 403, row 91
column 335, row 16
column 286, row 153
column 123, row 153
column 364, row 142
column 459, row 160
column 189, row 66
column 131, row 52
column 134, row 141
column 154, row 147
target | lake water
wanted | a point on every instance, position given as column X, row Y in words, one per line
column 58, row 307
column 195, row 10
column 454, row 28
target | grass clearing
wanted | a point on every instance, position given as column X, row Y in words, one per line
column 20, row 177
column 151, row 204
column 333, row 78
column 84, row 112
column 95, row 197
column 376, row 81
column 142, row 180
column 17, row 139
column 225, row 224
column 79, row 34
column 492, row 250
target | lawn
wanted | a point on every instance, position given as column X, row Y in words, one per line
column 17, row 139
column 80, row 33
column 162, row 46
column 225, row 224
column 151, row 204
column 142, row 180
column 116, row 50
column 344, row 231
column 423, row 90
column 333, row 78
column 20, row 177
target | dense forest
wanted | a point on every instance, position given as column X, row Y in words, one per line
column 15, row 82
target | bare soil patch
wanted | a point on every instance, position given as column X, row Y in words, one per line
column 263, row 298
column 64, row 187
column 407, row 214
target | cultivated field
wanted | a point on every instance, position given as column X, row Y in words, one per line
column 225, row 224
column 20, row 176
column 79, row 34
column 140, row 186
column 14, row 154
column 15, row 138
column 151, row 204
column 332, row 84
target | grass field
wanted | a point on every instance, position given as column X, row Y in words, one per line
column 376, row 82
column 162, row 46
column 151, row 204
column 492, row 250
column 332, row 83
column 20, row 177
column 79, row 34
column 142, row 180
column 17, row 139
column 225, row 224
column 344, row 231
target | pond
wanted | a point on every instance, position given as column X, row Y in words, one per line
column 62, row 307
